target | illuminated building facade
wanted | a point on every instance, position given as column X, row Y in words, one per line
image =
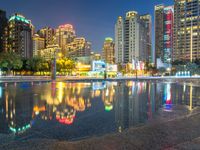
column 95, row 56
column 148, row 25
column 186, row 30
column 164, row 21
column 48, row 34
column 65, row 34
column 79, row 47
column 159, row 34
column 134, row 37
column 119, row 40
column 168, row 34
column 20, row 36
column 38, row 44
column 131, row 37
column 109, row 51
column 49, row 52
column 3, row 31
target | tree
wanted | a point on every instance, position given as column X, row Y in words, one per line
column 192, row 67
column 162, row 70
column 34, row 64
column 10, row 61
column 180, row 68
column 65, row 65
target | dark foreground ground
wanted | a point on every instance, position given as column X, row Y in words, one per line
column 182, row 133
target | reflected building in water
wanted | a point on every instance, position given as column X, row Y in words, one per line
column 130, row 103
column 16, row 115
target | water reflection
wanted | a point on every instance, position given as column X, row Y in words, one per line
column 114, row 105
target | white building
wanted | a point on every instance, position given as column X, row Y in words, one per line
column 131, row 38
column 38, row 44
column 119, row 40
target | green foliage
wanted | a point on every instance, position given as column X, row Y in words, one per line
column 162, row 70
column 193, row 67
column 10, row 61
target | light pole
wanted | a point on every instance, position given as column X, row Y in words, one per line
column 53, row 67
column 136, row 76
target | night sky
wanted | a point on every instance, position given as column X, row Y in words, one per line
column 93, row 19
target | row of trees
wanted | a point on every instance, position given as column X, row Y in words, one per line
column 194, row 68
column 11, row 63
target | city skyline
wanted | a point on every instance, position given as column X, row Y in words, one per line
column 85, row 17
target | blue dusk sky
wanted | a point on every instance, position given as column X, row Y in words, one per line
column 93, row 19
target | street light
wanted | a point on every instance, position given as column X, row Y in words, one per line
column 53, row 66
column 135, row 63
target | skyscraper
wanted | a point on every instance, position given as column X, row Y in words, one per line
column 132, row 38
column 148, row 25
column 158, row 14
column 164, row 19
column 48, row 34
column 119, row 40
column 109, row 51
column 168, row 34
column 65, row 34
column 186, row 30
column 20, row 35
column 3, row 30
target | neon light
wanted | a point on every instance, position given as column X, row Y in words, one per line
column 109, row 108
column 66, row 26
column 19, row 18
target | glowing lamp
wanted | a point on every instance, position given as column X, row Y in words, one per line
column 108, row 108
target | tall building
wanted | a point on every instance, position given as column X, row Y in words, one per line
column 132, row 38
column 38, row 44
column 119, row 40
column 164, row 20
column 20, row 35
column 148, row 25
column 48, row 34
column 158, row 14
column 186, row 30
column 168, row 34
column 3, row 31
column 65, row 34
column 109, row 51
column 79, row 47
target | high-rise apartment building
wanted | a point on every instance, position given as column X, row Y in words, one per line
column 3, row 31
column 168, row 34
column 38, row 44
column 48, row 34
column 186, row 30
column 109, row 51
column 119, row 40
column 79, row 47
column 164, row 20
column 158, row 21
column 148, row 26
column 65, row 34
column 131, row 36
column 20, row 35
